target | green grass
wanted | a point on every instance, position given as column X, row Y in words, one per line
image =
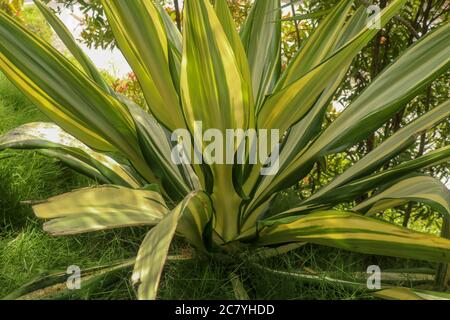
column 24, row 175
column 26, row 252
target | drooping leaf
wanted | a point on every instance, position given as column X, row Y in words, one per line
column 42, row 135
column 100, row 208
column 22, row 78
column 66, row 94
column 426, row 190
column 75, row 164
column 154, row 249
column 358, row 187
column 350, row 231
column 389, row 148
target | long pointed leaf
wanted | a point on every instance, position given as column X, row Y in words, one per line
column 358, row 233
column 229, row 27
column 100, row 208
column 410, row 294
column 261, row 37
column 290, row 104
column 49, row 136
column 214, row 92
column 317, row 46
column 303, row 132
column 140, row 33
column 400, row 82
column 356, row 188
column 156, row 148
column 70, row 43
column 154, row 249
column 416, row 68
column 66, row 94
column 426, row 190
column 390, row 148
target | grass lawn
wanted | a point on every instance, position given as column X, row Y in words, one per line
column 26, row 252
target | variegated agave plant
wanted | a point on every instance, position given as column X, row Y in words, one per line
column 227, row 80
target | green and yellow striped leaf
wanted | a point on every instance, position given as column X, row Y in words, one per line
column 318, row 46
column 229, row 27
column 17, row 67
column 175, row 43
column 66, row 94
column 46, row 136
column 196, row 223
column 75, row 164
column 100, row 208
column 214, row 92
column 70, row 43
column 350, row 231
column 397, row 293
column 426, row 190
column 140, row 32
column 415, row 69
column 157, row 149
column 401, row 81
column 389, row 148
column 291, row 103
column 261, row 37
column 155, row 247
column 303, row 132
column 358, row 187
